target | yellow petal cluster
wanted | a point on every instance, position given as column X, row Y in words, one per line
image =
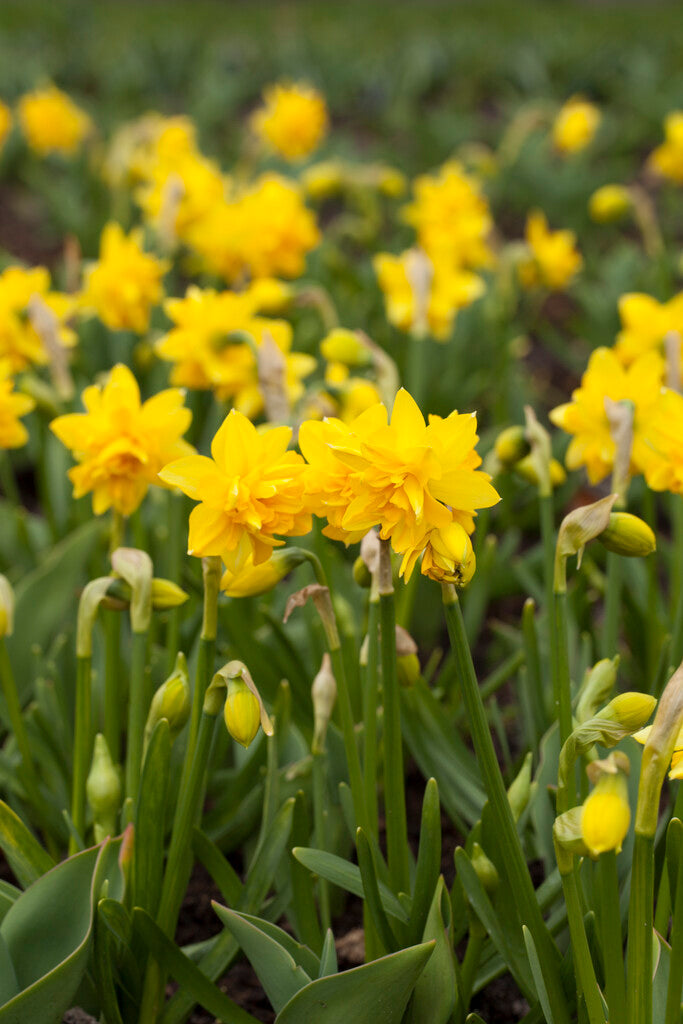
column 606, row 815
column 214, row 345
column 125, row 283
column 292, row 121
column 586, row 419
column 575, row 125
column 413, row 480
column 664, row 440
column 667, row 159
column 554, row 258
column 5, row 123
column 645, row 322
column 20, row 343
column 250, row 491
column 121, row 443
column 451, row 217
column 51, row 121
column 13, row 433
column 451, row 288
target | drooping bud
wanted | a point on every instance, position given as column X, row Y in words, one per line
column 630, row 709
column 93, row 594
column 6, row 607
column 171, row 701
column 596, row 687
column 628, row 535
column 511, row 445
column 254, row 580
column 165, row 594
column 527, row 469
column 135, row 567
column 606, row 813
column 576, row 529
column 407, row 660
column 323, row 694
column 609, row 203
column 103, row 789
column 241, row 712
column 344, row 346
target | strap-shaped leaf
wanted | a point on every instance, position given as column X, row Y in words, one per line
column 328, row 957
column 434, row 994
column 537, row 973
column 347, row 876
column 376, row 993
column 148, row 858
column 26, row 857
column 222, row 872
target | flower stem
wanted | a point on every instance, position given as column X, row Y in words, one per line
column 612, row 605
column 512, row 859
column 639, row 959
column 673, row 994
column 82, row 747
column 175, row 562
column 320, row 818
column 9, row 690
column 112, row 684
column 582, row 957
column 394, row 785
column 138, row 706
column 563, row 697
column 370, row 688
column 612, row 940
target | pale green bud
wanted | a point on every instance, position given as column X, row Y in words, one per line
column 511, row 445
column 6, row 607
column 135, row 567
column 344, row 346
column 171, row 701
column 631, row 710
column 103, row 789
column 628, row 535
column 323, row 694
column 485, row 869
column 597, row 685
column 241, row 712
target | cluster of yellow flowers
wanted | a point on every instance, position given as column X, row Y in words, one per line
column 13, row 406
column 50, row 121
column 553, row 259
column 23, row 339
column 292, row 121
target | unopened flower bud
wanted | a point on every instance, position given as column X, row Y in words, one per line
column 596, row 687
column 511, row 445
column 167, row 594
column 344, row 346
column 485, row 869
column 323, row 694
column 408, row 669
column 103, row 789
column 609, row 203
column 527, row 469
column 324, row 179
column 171, row 701
column 520, row 790
column 626, row 534
column 578, row 527
column 390, row 182
column 241, row 712
column 270, row 295
column 606, row 813
column 6, row 607
column 254, row 580
column 135, row 567
column 631, row 710
column 361, row 573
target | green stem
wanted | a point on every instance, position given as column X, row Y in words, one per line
column 320, row 818
column 673, row 994
column 112, row 684
column 8, row 480
column 9, row 689
column 394, row 784
column 583, row 963
column 612, row 940
column 513, row 862
column 639, row 958
column 138, row 707
column 370, row 689
column 612, row 605
column 82, row 747
column 562, row 687
column 547, row 517
column 176, row 546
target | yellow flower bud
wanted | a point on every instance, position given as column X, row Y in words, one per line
column 511, row 446
column 390, row 182
column 609, row 203
column 6, row 607
column 631, row 710
column 361, row 573
column 167, row 594
column 526, row 468
column 628, row 535
column 606, row 814
column 270, row 295
column 344, row 346
column 103, row 789
column 242, row 712
column 171, row 701
column 254, row 580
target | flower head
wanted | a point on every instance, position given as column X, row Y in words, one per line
column 250, row 491
column 20, row 341
column 609, row 203
column 663, row 466
column 575, row 125
column 606, row 813
column 645, row 322
column 554, row 258
column 5, row 123
column 405, row 476
column 51, row 121
column 292, row 121
column 121, row 443
column 585, row 417
column 125, row 283
column 667, row 159
column 13, row 434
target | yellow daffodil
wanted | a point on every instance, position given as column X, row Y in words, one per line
column 20, row 341
column 5, row 123
column 676, row 771
column 51, row 121
column 609, row 203
column 554, row 259
column 405, row 476
column 575, row 125
column 585, row 417
column 451, row 217
column 179, row 191
column 451, row 289
column 250, row 491
column 125, row 283
column 645, row 322
column 667, row 159
column 121, row 443
column 606, row 814
column 448, row 556
column 292, row 121
column 13, row 433
column 664, row 444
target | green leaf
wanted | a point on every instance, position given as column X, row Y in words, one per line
column 373, row 902
column 537, row 973
column 277, row 970
column 347, row 876
column 428, row 860
column 301, row 954
column 434, row 994
column 328, row 957
column 674, row 852
column 304, row 912
column 47, row 933
column 26, row 857
column 187, row 974
column 376, row 993
column 661, row 959
column 220, row 869
column 148, row 856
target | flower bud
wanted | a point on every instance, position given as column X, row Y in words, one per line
column 511, row 446
column 485, row 869
column 609, row 203
column 135, row 567
column 408, row 669
column 103, row 789
column 241, row 712
column 520, row 790
column 324, row 179
column 6, row 607
column 171, row 701
column 92, row 595
column 390, row 182
column 631, row 710
column 578, row 527
column 167, row 594
column 596, row 687
column 344, row 346
column 254, row 580
column 606, row 813
column 270, row 295
column 526, row 468
column 361, row 573
column 626, row 534
column 323, row 694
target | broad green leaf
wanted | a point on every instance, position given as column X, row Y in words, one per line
column 301, row 954
column 148, row 856
column 187, row 974
column 347, row 876
column 434, row 994
column 537, row 973
column 376, row 993
column 661, row 959
column 26, row 857
column 277, row 970
column 9, row 986
column 48, row 932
